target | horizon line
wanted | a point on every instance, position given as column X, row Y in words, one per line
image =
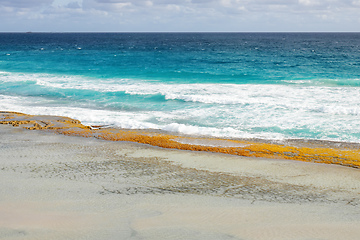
column 179, row 31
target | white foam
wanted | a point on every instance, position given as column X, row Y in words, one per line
column 223, row 110
column 333, row 100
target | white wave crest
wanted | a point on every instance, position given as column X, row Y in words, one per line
column 222, row 110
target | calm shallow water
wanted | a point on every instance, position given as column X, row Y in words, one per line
column 243, row 85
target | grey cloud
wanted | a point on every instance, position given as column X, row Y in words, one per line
column 114, row 1
column 185, row 15
column 24, row 3
column 73, row 5
column 180, row 2
column 296, row 6
column 202, row 1
column 250, row 5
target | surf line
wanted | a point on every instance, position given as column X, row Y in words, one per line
column 346, row 154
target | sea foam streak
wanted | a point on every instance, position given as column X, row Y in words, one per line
column 225, row 110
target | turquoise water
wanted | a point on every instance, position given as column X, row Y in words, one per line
column 243, row 85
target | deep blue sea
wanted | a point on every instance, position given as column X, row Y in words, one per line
column 232, row 85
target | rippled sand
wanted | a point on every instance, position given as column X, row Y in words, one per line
column 64, row 187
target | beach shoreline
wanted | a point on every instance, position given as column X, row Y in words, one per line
column 318, row 151
column 61, row 187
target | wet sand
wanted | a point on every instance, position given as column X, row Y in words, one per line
column 340, row 153
column 66, row 187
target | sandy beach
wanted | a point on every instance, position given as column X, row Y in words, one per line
column 67, row 187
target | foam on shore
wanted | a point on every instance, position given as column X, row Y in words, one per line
column 345, row 154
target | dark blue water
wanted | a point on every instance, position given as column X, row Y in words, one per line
column 264, row 85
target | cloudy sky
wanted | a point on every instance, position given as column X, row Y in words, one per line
column 179, row 15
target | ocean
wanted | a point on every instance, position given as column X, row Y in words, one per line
column 230, row 85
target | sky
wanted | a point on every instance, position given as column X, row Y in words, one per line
column 180, row 15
